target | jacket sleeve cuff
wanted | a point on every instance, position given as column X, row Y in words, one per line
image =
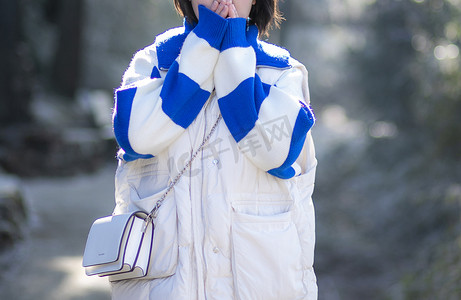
column 211, row 27
column 235, row 34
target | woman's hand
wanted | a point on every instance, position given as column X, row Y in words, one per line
column 224, row 8
column 220, row 7
column 233, row 11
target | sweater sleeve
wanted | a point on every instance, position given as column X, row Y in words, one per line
column 150, row 111
column 273, row 119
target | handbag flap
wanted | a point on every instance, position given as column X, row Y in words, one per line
column 143, row 259
column 104, row 243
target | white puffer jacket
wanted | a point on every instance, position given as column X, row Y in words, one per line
column 240, row 223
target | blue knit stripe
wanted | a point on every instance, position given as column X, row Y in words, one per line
column 235, row 34
column 304, row 123
column 211, row 27
column 124, row 102
column 283, row 173
column 169, row 44
column 261, row 92
column 155, row 73
column 182, row 98
column 267, row 54
column 239, row 110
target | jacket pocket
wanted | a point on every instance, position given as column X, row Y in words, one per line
column 266, row 258
column 164, row 255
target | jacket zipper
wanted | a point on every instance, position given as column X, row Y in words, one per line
column 198, row 216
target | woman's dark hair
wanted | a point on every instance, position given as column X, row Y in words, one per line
column 265, row 14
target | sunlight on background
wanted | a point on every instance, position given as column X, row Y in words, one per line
column 75, row 282
column 450, row 51
column 445, row 51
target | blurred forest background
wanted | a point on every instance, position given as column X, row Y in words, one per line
column 385, row 80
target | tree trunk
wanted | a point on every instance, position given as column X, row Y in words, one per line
column 66, row 68
column 286, row 8
column 16, row 66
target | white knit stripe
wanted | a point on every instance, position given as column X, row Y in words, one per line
column 140, row 66
column 301, row 71
column 148, row 122
column 233, row 67
column 271, row 137
column 292, row 83
column 208, row 85
column 198, row 61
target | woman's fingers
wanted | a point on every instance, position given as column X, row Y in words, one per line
column 214, row 5
column 222, row 9
column 233, row 11
column 225, row 11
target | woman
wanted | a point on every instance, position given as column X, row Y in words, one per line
column 239, row 224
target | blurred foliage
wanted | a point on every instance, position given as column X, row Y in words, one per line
column 400, row 197
column 411, row 69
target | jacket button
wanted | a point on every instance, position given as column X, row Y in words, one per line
column 215, row 161
column 215, row 249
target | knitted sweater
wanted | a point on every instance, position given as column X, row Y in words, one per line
column 168, row 83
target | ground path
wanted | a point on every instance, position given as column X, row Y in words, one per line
column 47, row 265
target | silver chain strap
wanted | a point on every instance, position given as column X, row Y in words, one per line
column 153, row 213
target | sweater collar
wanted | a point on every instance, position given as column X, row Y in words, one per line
column 267, row 54
column 169, row 46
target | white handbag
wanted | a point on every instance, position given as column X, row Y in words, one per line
column 120, row 246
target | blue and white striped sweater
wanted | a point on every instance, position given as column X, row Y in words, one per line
column 168, row 83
